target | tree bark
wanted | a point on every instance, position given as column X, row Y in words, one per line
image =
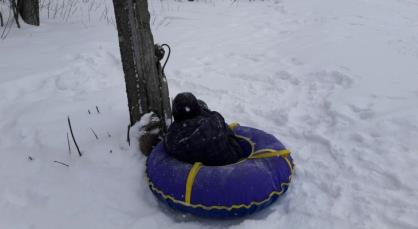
column 29, row 10
column 146, row 86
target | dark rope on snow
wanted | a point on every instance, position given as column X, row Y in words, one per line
column 168, row 55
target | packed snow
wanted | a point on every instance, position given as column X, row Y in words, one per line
column 336, row 81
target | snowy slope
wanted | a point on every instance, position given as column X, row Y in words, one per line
column 336, row 81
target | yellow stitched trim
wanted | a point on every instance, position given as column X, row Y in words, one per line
column 292, row 168
column 190, row 180
column 233, row 125
column 252, row 144
column 267, row 153
column 234, row 206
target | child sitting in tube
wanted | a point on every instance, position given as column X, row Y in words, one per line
column 199, row 134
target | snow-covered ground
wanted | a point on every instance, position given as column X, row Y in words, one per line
column 335, row 80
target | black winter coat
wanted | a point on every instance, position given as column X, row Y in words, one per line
column 205, row 138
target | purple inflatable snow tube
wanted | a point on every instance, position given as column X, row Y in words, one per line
column 226, row 191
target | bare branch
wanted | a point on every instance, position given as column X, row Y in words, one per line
column 97, row 137
column 72, row 135
column 128, row 139
column 69, row 146
column 62, row 163
column 15, row 10
column 1, row 20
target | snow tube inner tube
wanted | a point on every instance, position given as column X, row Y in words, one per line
column 232, row 190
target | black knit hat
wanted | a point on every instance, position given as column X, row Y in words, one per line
column 185, row 106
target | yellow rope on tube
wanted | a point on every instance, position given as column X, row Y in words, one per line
column 190, row 180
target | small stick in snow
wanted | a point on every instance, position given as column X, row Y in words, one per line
column 15, row 12
column 128, row 139
column 72, row 135
column 62, row 163
column 68, row 143
column 97, row 109
column 97, row 137
column 30, row 158
column 89, row 111
column 1, row 20
column 108, row 135
column 110, row 151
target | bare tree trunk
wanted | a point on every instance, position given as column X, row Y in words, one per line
column 146, row 86
column 29, row 10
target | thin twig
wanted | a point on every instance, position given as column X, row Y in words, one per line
column 69, row 146
column 1, row 20
column 97, row 137
column 15, row 12
column 128, row 139
column 97, row 108
column 62, row 163
column 72, row 135
column 6, row 27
